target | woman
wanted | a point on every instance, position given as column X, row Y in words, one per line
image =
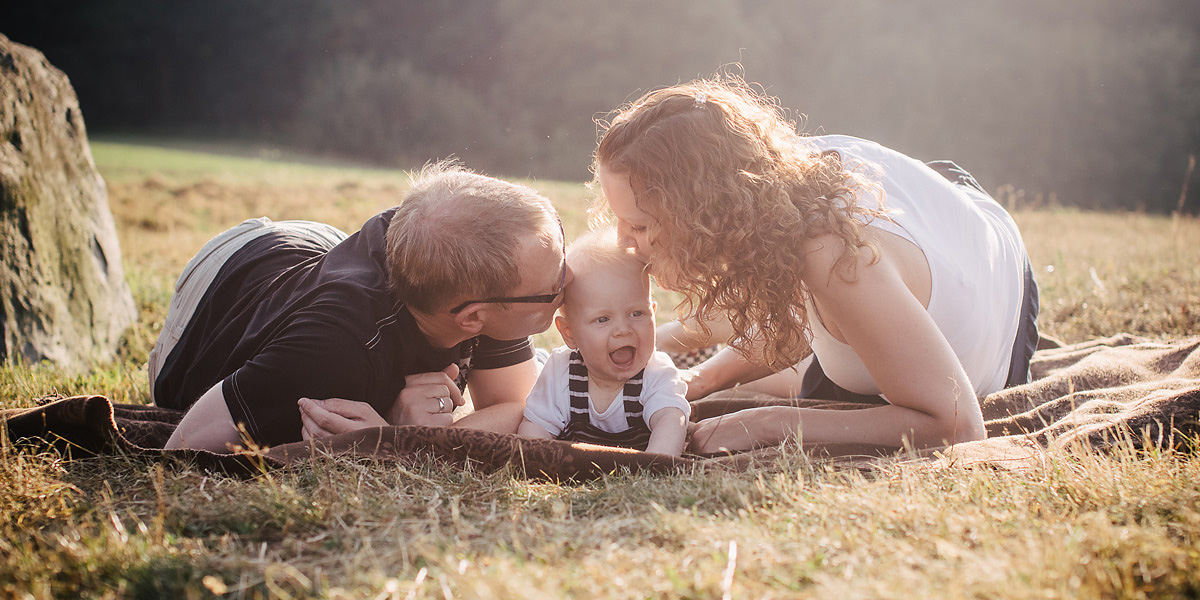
column 909, row 285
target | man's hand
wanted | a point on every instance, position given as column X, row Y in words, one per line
column 323, row 418
column 428, row 399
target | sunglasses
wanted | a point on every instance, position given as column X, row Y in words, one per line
column 539, row 299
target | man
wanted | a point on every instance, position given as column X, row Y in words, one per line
column 437, row 293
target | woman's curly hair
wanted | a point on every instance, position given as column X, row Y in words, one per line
column 734, row 193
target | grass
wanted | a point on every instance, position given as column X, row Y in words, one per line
column 1119, row 524
column 1102, row 273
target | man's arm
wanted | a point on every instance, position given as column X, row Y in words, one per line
column 499, row 397
column 207, row 425
column 331, row 416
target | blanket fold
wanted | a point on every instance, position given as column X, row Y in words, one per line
column 1095, row 393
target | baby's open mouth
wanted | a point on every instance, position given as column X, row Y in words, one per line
column 623, row 356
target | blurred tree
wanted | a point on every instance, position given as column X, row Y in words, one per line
column 568, row 63
column 1095, row 101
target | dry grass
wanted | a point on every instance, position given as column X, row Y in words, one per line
column 1118, row 524
column 1086, row 525
column 1102, row 273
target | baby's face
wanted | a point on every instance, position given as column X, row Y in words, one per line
column 609, row 319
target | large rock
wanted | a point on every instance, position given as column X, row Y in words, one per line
column 63, row 295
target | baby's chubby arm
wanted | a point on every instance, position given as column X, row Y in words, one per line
column 665, row 403
column 543, row 404
column 668, row 429
column 530, row 429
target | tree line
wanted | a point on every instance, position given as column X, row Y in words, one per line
column 1093, row 103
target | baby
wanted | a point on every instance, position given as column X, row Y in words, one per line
column 608, row 385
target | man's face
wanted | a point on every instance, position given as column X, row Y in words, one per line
column 543, row 271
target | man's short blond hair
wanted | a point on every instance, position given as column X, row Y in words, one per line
column 459, row 234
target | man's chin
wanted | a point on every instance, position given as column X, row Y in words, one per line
column 545, row 326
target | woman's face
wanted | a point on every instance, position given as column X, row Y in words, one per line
column 632, row 223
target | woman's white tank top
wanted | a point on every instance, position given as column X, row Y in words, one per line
column 976, row 262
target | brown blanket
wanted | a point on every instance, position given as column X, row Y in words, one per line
column 1095, row 392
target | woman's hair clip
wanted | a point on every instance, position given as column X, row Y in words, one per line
column 701, row 98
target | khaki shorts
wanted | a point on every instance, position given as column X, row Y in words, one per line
column 203, row 268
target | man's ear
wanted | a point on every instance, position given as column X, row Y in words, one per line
column 565, row 331
column 471, row 319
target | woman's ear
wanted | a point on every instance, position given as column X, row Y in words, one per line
column 564, row 329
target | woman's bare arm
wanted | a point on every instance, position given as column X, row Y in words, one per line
column 931, row 400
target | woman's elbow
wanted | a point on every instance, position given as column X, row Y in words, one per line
column 965, row 429
column 950, row 430
column 960, row 421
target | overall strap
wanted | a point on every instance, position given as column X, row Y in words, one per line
column 577, row 387
column 579, row 427
column 633, row 402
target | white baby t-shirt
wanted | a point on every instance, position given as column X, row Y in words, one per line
column 549, row 403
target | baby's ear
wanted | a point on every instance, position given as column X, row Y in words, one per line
column 564, row 330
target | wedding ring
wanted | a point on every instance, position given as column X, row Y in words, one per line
column 441, row 404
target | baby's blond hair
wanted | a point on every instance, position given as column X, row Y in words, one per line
column 598, row 251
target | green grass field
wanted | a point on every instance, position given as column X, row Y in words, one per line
column 1121, row 524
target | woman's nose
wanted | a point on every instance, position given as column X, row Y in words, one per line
column 625, row 236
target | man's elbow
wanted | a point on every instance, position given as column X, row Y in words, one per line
column 208, row 425
column 220, row 442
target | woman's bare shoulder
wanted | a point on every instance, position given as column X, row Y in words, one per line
column 822, row 254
